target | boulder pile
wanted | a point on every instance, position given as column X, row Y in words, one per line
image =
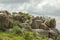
column 45, row 26
column 40, row 25
column 4, row 20
column 48, row 26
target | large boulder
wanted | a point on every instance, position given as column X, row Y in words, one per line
column 4, row 21
column 43, row 26
column 51, row 23
column 41, row 32
column 25, row 26
column 53, row 33
column 5, row 12
column 42, row 19
column 37, row 24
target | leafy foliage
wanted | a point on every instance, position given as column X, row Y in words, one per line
column 26, row 15
column 24, row 36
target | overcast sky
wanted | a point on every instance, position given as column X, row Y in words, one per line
column 35, row 7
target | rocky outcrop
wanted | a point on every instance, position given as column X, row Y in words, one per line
column 37, row 24
column 51, row 23
column 25, row 26
column 4, row 21
column 40, row 25
column 41, row 32
column 5, row 12
column 53, row 33
column 38, row 21
column 46, row 25
column 43, row 26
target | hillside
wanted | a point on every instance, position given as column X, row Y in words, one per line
column 23, row 26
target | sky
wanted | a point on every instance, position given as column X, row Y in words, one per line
column 34, row 7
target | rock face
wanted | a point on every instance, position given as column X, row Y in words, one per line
column 5, row 12
column 53, row 33
column 4, row 22
column 51, row 23
column 25, row 26
column 41, row 32
column 38, row 21
column 37, row 24
column 46, row 25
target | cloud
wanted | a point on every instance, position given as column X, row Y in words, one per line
column 49, row 7
column 58, row 22
column 38, row 7
column 13, row 1
column 8, row 7
column 34, row 7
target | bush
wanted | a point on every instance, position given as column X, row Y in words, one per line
column 58, row 38
column 15, row 30
column 28, row 35
column 13, row 23
column 26, row 15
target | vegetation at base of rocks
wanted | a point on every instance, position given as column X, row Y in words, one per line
column 24, row 36
column 16, row 33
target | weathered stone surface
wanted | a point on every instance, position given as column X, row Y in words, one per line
column 37, row 24
column 43, row 26
column 53, row 33
column 4, row 22
column 39, row 18
column 41, row 32
column 46, row 25
column 5, row 12
column 26, row 26
column 51, row 23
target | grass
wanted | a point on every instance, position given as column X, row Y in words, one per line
column 25, row 36
column 7, row 36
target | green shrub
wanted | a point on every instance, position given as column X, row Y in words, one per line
column 26, row 15
column 15, row 30
column 28, row 36
column 13, row 23
column 58, row 38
